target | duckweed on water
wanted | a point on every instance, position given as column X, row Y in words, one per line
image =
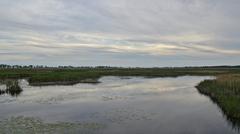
column 29, row 125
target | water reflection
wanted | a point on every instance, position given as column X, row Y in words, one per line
column 122, row 105
column 234, row 122
column 12, row 88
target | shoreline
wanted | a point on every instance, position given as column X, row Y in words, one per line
column 225, row 92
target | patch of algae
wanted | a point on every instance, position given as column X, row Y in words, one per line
column 30, row 125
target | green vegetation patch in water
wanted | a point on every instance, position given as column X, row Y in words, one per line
column 12, row 88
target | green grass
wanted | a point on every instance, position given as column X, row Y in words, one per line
column 53, row 75
column 225, row 91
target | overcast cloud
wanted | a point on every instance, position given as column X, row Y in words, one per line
column 120, row 32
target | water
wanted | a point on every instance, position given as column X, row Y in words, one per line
column 117, row 105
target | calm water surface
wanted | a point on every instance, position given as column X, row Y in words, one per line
column 118, row 105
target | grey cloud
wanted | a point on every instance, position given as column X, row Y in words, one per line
column 99, row 31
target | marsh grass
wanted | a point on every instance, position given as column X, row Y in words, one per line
column 225, row 91
column 12, row 88
column 59, row 76
column 2, row 91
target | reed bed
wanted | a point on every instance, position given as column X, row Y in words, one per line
column 225, row 91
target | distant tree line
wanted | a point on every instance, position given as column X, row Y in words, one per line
column 22, row 66
column 5, row 66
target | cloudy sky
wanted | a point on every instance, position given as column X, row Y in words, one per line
column 120, row 32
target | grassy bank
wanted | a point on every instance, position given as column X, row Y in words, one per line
column 91, row 75
column 225, row 91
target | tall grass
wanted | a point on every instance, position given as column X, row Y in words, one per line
column 225, row 91
column 12, row 88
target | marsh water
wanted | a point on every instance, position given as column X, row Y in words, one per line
column 117, row 105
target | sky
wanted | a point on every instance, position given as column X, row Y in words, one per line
column 127, row 33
